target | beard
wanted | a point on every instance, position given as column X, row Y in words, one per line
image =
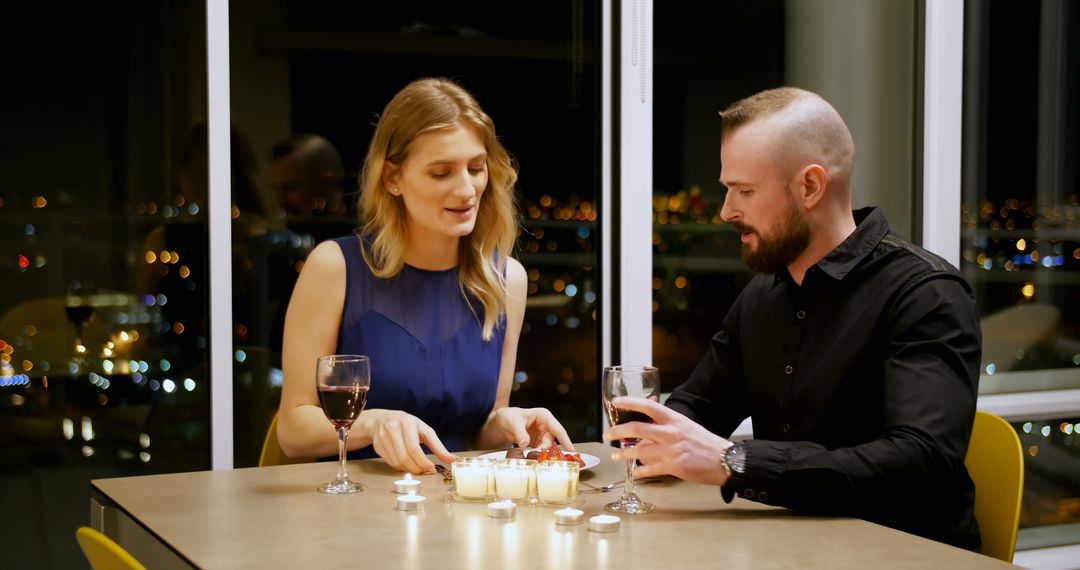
column 775, row 252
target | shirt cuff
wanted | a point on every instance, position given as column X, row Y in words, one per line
column 761, row 481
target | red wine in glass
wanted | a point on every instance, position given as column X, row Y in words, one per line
column 620, row 416
column 342, row 404
column 342, row 381
column 631, row 382
column 80, row 315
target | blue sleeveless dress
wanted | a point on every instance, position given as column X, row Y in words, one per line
column 428, row 356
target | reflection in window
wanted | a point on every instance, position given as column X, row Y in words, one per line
column 1021, row 231
column 1051, row 481
column 90, row 384
column 865, row 66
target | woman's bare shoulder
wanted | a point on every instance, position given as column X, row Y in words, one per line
column 515, row 272
column 326, row 257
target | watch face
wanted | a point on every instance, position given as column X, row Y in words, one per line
column 735, row 458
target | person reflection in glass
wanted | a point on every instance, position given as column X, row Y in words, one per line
column 174, row 282
column 176, row 254
column 427, row 289
column 308, row 177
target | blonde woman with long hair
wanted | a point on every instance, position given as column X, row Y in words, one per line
column 427, row 289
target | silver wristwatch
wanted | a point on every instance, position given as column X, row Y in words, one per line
column 735, row 459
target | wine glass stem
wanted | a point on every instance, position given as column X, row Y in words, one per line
column 628, row 488
column 343, row 445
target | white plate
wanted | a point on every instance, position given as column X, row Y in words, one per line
column 590, row 460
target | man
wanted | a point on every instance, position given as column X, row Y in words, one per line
column 308, row 176
column 855, row 352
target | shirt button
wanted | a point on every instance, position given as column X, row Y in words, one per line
column 800, row 315
column 786, row 428
column 763, row 496
column 788, row 369
column 748, row 493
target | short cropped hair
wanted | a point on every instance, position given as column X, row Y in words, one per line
column 806, row 126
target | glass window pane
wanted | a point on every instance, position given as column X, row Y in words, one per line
column 1050, row 511
column 1021, row 239
column 865, row 66
column 102, row 348
column 1020, row 236
column 327, row 69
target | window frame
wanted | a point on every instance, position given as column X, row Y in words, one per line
column 219, row 216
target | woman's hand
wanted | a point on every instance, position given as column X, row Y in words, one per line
column 530, row 427
column 397, row 436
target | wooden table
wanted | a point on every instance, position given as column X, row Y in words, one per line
column 272, row 517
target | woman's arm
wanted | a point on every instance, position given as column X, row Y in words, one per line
column 311, row 330
column 517, row 283
column 531, row 426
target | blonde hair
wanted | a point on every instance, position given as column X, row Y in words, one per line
column 423, row 106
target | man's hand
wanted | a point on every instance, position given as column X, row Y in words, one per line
column 673, row 445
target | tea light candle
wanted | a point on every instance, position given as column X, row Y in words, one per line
column 568, row 516
column 410, row 502
column 471, row 478
column 552, row 485
column 407, row 485
column 556, row 482
column 502, row 509
column 512, row 479
column 604, row 523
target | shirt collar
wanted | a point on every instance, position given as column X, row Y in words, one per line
column 870, row 228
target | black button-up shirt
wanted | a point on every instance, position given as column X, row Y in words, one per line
column 861, row 384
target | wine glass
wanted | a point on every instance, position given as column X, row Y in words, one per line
column 343, row 381
column 79, row 308
column 635, row 382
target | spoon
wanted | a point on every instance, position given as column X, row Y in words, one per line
column 602, row 488
column 611, row 486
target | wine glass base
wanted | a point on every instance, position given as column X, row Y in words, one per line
column 630, row 506
column 340, row 487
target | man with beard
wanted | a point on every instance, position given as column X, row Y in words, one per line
column 855, row 352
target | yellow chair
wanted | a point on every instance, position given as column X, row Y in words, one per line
column 272, row 453
column 995, row 460
column 103, row 553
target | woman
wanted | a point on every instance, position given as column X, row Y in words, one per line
column 427, row 290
